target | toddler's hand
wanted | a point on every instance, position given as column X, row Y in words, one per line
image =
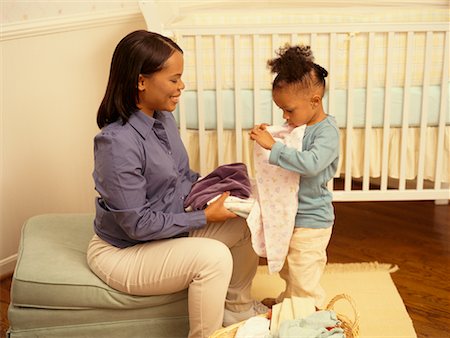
column 260, row 134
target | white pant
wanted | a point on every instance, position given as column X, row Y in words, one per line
column 216, row 263
column 305, row 264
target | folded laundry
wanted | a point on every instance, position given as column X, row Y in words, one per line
column 295, row 317
column 290, row 309
column 239, row 206
column 231, row 177
column 320, row 324
column 254, row 327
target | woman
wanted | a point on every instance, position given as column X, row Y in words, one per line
column 144, row 242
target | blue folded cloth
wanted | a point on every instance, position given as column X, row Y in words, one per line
column 320, row 324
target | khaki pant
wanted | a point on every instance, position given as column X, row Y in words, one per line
column 305, row 264
column 216, row 263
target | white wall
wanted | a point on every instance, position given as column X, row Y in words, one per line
column 13, row 11
column 54, row 75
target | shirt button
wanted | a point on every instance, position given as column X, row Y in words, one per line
column 170, row 153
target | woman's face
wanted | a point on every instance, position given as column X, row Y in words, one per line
column 299, row 106
column 161, row 90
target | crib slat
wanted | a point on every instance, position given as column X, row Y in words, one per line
column 368, row 120
column 313, row 40
column 182, row 106
column 442, row 112
column 332, row 79
column 331, row 89
column 200, row 105
column 386, row 117
column 237, row 98
column 256, row 79
column 277, row 118
column 424, row 111
column 294, row 39
column 219, row 100
column 182, row 118
column 405, row 115
column 349, row 123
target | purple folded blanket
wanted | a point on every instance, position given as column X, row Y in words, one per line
column 229, row 177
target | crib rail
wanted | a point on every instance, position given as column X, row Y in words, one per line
column 404, row 187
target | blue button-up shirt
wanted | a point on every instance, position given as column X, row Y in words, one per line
column 142, row 175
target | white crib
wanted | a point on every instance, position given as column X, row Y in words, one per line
column 388, row 85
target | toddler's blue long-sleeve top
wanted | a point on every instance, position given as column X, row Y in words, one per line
column 316, row 164
column 142, row 175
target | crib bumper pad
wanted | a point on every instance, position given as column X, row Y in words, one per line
column 339, row 109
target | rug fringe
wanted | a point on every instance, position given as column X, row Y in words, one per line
column 360, row 267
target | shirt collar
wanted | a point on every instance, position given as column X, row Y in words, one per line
column 143, row 123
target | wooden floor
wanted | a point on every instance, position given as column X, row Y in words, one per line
column 5, row 285
column 413, row 235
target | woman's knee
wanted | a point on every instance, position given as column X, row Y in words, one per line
column 216, row 259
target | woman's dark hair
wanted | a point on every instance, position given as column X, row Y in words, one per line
column 295, row 64
column 140, row 52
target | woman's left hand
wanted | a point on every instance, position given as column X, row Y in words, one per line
column 216, row 211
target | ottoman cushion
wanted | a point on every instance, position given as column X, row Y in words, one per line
column 52, row 270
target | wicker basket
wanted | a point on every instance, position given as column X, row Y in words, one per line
column 230, row 331
column 350, row 327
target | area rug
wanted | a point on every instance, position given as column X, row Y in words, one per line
column 381, row 310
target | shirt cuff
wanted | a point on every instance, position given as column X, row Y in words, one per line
column 192, row 220
column 275, row 152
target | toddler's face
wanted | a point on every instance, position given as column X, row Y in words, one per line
column 297, row 104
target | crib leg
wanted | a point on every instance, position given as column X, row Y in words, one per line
column 443, row 201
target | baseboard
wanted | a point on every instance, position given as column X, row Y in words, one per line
column 7, row 266
column 37, row 27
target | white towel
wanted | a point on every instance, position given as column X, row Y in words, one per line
column 240, row 206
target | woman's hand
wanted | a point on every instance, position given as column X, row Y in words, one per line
column 262, row 136
column 216, row 211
